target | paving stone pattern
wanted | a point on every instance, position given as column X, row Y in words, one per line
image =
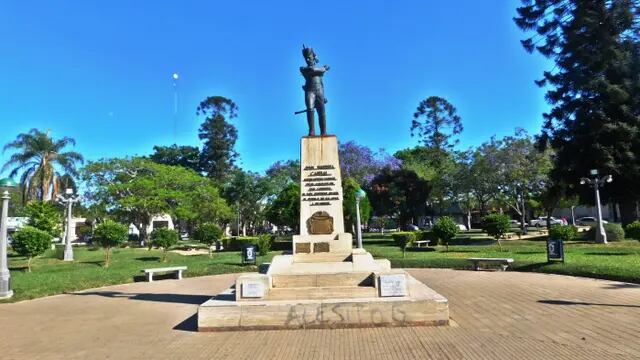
column 495, row 315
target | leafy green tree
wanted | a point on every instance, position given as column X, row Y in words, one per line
column 218, row 154
column 164, row 238
column 484, row 180
column 404, row 240
column 137, row 189
column 437, row 167
column 496, row 226
column 445, row 229
column 208, row 234
column 524, row 171
column 594, row 91
column 279, row 176
column 285, row 209
column 30, row 243
column 40, row 159
column 564, row 232
column 44, row 216
column 174, row 155
column 349, row 190
column 108, row 235
column 400, row 194
column 245, row 191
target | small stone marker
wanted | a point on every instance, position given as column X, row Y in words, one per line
column 252, row 290
column 393, row 285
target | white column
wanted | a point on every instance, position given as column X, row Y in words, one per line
column 5, row 276
column 68, row 251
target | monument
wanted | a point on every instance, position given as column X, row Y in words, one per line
column 325, row 282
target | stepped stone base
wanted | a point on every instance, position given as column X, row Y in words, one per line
column 345, row 309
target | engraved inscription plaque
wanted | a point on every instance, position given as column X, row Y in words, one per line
column 320, row 223
column 320, row 247
column 393, row 285
column 252, row 290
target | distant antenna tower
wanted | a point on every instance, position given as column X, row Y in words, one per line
column 175, row 78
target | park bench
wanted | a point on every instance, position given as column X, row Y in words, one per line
column 176, row 269
column 504, row 262
column 419, row 243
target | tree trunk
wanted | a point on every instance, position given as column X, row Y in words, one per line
column 468, row 218
column 627, row 211
column 106, row 260
column 29, row 263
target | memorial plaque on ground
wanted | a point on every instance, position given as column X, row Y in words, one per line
column 393, row 285
column 252, row 290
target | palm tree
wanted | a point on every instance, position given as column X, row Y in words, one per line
column 39, row 157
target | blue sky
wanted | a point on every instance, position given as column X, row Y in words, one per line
column 100, row 72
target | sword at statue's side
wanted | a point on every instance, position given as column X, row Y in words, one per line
column 302, row 111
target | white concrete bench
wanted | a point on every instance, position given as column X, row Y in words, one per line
column 421, row 242
column 176, row 269
column 504, row 262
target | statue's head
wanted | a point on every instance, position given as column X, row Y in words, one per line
column 309, row 56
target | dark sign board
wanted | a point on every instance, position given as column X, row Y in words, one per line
column 555, row 250
column 249, row 253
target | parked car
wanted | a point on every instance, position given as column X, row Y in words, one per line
column 412, row 227
column 462, row 227
column 515, row 223
column 588, row 221
column 542, row 221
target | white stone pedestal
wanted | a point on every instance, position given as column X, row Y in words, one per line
column 321, row 217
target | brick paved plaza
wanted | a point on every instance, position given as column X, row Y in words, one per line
column 495, row 315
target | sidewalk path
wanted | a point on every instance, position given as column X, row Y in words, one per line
column 496, row 315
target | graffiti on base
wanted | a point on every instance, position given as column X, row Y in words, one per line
column 343, row 314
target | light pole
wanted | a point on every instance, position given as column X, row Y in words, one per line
column 68, row 200
column 597, row 183
column 360, row 194
column 5, row 276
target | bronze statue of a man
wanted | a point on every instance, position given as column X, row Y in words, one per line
column 314, row 91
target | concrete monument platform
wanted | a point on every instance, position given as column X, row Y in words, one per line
column 324, row 283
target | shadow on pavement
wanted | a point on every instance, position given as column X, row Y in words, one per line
column 622, row 286
column 190, row 324
column 170, row 298
column 567, row 302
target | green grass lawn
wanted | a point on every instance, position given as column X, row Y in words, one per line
column 51, row 276
column 615, row 261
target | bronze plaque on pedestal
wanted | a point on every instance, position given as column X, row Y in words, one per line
column 320, row 223
column 320, row 247
column 303, row 248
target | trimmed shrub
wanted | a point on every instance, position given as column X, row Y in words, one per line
column 614, row 232
column 264, row 242
column 404, row 239
column 164, row 238
column 30, row 242
column 427, row 236
column 235, row 243
column 45, row 216
column 496, row 226
column 564, row 232
column 632, row 231
column 108, row 235
column 445, row 229
column 208, row 234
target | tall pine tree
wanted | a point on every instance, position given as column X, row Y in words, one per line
column 594, row 122
column 218, row 151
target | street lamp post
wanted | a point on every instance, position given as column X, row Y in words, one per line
column 597, row 183
column 68, row 200
column 360, row 194
column 5, row 275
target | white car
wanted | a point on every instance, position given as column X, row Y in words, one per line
column 542, row 221
column 515, row 223
column 462, row 227
column 588, row 221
